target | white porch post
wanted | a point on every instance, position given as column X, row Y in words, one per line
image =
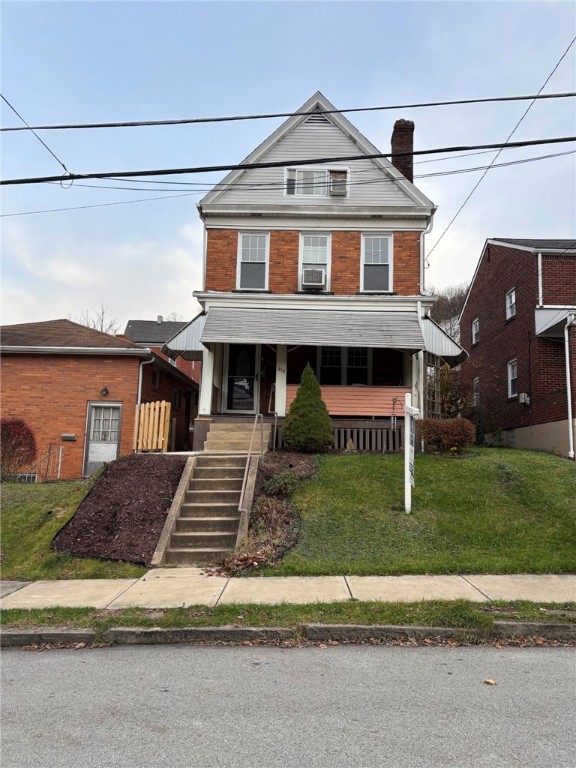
column 281, row 368
column 418, row 381
column 205, row 403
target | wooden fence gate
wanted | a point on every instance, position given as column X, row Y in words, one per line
column 152, row 426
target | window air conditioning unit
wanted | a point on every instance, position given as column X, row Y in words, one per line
column 313, row 278
column 524, row 398
column 338, row 186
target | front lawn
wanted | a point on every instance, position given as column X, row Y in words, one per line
column 31, row 516
column 491, row 511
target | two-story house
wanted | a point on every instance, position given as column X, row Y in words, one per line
column 314, row 253
column 519, row 326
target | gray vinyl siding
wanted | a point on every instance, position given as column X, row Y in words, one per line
column 309, row 141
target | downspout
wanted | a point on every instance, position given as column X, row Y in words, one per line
column 422, row 257
column 145, row 362
column 540, row 292
column 570, row 320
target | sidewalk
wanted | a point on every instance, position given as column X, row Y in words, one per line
column 176, row 587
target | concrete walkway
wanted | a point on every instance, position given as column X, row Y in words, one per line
column 175, row 587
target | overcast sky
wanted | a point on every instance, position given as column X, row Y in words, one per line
column 75, row 62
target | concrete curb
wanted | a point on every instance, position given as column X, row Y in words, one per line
column 343, row 633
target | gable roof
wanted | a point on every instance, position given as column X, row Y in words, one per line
column 64, row 336
column 318, row 103
column 536, row 244
column 152, row 331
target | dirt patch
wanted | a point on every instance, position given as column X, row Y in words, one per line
column 274, row 522
column 123, row 515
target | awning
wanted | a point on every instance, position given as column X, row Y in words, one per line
column 186, row 342
column 326, row 327
column 439, row 343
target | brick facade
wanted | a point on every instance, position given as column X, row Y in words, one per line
column 541, row 361
column 51, row 393
column 222, row 257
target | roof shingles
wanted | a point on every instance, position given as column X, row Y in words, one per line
column 60, row 333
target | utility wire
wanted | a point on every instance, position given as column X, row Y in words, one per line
column 480, row 180
column 201, row 187
column 282, row 163
column 193, row 120
column 198, row 192
column 34, row 132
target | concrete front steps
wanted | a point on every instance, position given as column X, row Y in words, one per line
column 235, row 436
column 206, row 529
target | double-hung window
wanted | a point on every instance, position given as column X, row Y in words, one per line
column 475, row 330
column 376, row 263
column 252, row 261
column 511, row 303
column 315, row 255
column 512, row 378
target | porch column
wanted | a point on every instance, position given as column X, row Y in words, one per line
column 418, row 382
column 205, row 403
column 281, row 367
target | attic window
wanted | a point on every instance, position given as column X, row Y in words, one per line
column 313, row 182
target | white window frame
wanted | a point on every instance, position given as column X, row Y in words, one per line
column 304, row 234
column 326, row 193
column 344, row 366
column 239, row 262
column 512, row 367
column 510, row 303
column 476, row 391
column 475, row 327
column 390, row 260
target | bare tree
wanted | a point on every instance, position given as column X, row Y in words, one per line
column 174, row 317
column 100, row 319
column 446, row 311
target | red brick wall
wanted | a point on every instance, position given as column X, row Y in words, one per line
column 192, row 368
column 559, row 279
column 222, row 255
column 182, row 410
column 541, row 362
column 51, row 394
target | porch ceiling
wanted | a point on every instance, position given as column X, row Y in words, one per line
column 325, row 327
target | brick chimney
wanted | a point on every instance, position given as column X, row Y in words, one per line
column 403, row 141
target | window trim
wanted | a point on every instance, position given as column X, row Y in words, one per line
column 509, row 314
column 328, row 235
column 239, row 262
column 476, row 391
column 475, row 334
column 390, row 238
column 510, row 378
column 327, row 171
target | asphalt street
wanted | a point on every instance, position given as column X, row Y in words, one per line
column 356, row 706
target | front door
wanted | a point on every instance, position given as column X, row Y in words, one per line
column 241, row 395
column 102, row 436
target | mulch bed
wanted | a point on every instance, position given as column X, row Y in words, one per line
column 123, row 515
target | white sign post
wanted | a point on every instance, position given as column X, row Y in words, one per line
column 410, row 415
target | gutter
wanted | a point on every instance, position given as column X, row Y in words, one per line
column 427, row 231
column 570, row 320
column 100, row 351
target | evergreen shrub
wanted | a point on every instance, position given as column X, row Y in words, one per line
column 307, row 427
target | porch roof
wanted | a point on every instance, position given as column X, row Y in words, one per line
column 313, row 327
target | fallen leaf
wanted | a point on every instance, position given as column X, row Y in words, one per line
column 489, row 681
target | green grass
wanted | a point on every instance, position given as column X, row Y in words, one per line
column 435, row 613
column 31, row 517
column 492, row 511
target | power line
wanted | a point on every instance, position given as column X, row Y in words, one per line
column 197, row 192
column 194, row 120
column 281, row 163
column 480, row 180
column 28, row 128
column 202, row 187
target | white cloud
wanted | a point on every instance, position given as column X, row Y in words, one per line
column 135, row 280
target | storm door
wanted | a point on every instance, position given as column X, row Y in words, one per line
column 102, row 436
column 241, row 395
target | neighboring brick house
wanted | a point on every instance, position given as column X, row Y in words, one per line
column 154, row 334
column 318, row 262
column 78, row 388
column 518, row 326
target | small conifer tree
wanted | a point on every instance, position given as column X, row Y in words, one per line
column 307, row 427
